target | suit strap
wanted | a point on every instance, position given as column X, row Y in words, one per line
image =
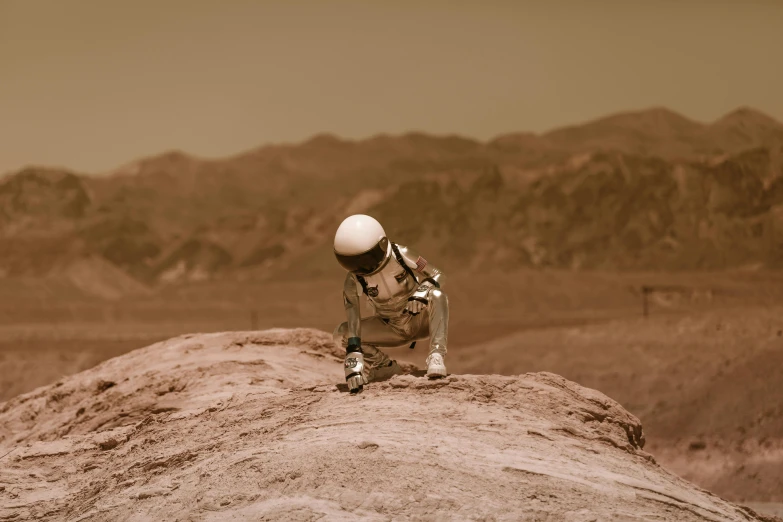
column 402, row 262
column 362, row 282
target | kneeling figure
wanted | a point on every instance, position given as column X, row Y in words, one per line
column 406, row 293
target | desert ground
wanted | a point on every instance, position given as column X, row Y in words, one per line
column 701, row 370
column 257, row 426
column 601, row 185
column 638, row 254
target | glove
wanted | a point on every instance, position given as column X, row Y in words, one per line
column 357, row 373
column 418, row 301
column 415, row 305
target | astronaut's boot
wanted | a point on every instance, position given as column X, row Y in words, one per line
column 381, row 367
column 387, row 371
column 436, row 368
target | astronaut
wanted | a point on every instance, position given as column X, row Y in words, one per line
column 405, row 292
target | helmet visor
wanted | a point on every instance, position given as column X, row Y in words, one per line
column 366, row 262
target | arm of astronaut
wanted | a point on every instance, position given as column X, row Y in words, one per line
column 352, row 311
column 427, row 274
column 357, row 374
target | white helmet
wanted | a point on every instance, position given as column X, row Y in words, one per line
column 360, row 244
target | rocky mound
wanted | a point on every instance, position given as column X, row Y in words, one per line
column 259, row 426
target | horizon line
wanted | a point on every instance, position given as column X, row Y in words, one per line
column 377, row 135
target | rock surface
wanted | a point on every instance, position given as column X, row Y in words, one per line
column 238, row 426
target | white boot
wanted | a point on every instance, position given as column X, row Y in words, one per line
column 436, row 368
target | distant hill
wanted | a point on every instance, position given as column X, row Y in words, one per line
column 654, row 132
column 649, row 189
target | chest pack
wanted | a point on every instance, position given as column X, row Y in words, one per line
column 400, row 260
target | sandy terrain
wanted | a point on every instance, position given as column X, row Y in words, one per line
column 46, row 333
column 547, row 241
column 706, row 386
column 259, row 425
column 693, row 372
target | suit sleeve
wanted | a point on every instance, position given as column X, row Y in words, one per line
column 352, row 308
column 420, row 266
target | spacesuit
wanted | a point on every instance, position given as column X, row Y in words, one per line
column 405, row 291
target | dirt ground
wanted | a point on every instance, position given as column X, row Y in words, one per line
column 701, row 370
column 259, row 425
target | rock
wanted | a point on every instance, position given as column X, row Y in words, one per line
column 260, row 426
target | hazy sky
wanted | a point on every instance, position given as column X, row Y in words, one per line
column 91, row 85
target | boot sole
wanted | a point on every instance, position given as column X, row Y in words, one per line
column 437, row 374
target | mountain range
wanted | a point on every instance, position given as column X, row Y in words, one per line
column 647, row 190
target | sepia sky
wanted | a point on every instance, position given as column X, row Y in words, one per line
column 93, row 84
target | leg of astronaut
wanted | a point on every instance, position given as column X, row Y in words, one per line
column 438, row 311
column 375, row 333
